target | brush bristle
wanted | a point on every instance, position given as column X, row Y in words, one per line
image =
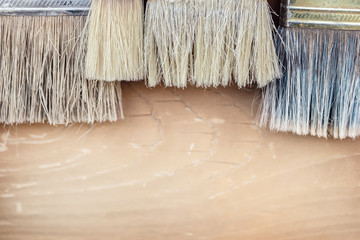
column 115, row 46
column 42, row 74
column 319, row 91
column 209, row 43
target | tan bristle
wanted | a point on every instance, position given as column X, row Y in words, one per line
column 115, row 46
column 209, row 43
column 42, row 74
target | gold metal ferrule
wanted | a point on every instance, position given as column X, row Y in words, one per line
column 329, row 14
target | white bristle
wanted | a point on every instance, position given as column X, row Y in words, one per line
column 115, row 46
column 209, row 43
column 42, row 74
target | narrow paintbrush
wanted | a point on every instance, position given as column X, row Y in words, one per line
column 319, row 91
column 115, row 46
column 42, row 49
column 209, row 43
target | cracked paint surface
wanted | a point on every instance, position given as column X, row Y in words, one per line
column 184, row 164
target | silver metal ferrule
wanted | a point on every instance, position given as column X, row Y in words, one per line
column 329, row 14
column 44, row 7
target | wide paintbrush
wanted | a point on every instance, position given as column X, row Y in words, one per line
column 319, row 48
column 42, row 66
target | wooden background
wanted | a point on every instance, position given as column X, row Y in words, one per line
column 184, row 164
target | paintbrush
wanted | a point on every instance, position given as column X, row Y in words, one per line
column 115, row 45
column 319, row 48
column 42, row 65
column 209, row 43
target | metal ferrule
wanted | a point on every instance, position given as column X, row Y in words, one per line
column 44, row 7
column 329, row 14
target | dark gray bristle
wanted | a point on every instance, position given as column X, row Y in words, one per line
column 318, row 93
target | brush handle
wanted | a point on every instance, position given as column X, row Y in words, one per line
column 329, row 14
column 44, row 7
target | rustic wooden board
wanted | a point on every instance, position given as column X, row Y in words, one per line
column 185, row 164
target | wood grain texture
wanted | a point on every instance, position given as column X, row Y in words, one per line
column 185, row 164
